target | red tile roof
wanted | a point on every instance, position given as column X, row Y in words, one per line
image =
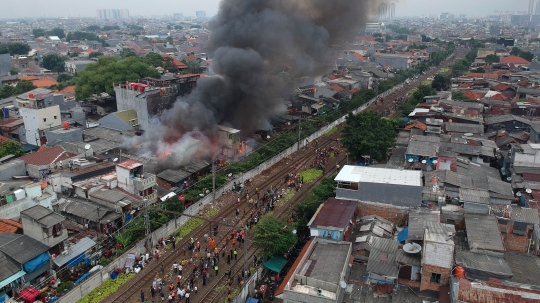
column 523, row 82
column 357, row 55
column 354, row 90
column 499, row 97
column 9, row 226
column 514, row 60
column 502, row 86
column 473, row 95
column 480, row 75
column 465, row 85
column 47, row 157
column 337, row 88
column 417, row 124
column 179, row 64
column 129, row 164
column 502, row 72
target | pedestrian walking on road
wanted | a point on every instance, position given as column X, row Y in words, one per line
column 216, row 268
column 142, row 295
column 152, row 291
column 187, row 297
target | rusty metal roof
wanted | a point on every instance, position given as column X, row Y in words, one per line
column 334, row 213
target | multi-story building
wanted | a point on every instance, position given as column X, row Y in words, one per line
column 112, row 14
column 36, row 121
column 44, row 225
column 132, row 178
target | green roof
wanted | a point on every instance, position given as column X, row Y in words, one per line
column 275, row 264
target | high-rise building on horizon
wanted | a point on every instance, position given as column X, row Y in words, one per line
column 383, row 11
column 531, row 7
column 200, row 14
column 392, row 11
column 112, row 14
column 537, row 9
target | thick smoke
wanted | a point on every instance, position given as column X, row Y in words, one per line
column 259, row 48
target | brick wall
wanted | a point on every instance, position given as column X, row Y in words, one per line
column 427, row 270
column 389, row 212
column 512, row 241
column 410, row 283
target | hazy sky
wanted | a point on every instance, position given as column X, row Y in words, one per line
column 87, row 8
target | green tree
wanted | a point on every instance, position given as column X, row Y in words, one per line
column 193, row 67
column 59, row 32
column 153, row 59
column 93, row 28
column 527, row 56
column 492, row 58
column 480, row 70
column 367, row 133
column 178, row 27
column 13, row 72
column 6, row 91
column 174, row 204
column 54, row 62
column 441, row 82
column 74, row 54
column 39, row 32
column 111, row 27
column 95, row 55
column 459, row 96
column 99, row 77
column 123, row 238
column 515, row 51
column 15, row 48
column 11, row 148
column 23, row 87
column 127, row 52
column 273, row 236
column 63, row 77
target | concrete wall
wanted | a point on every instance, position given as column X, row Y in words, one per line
column 13, row 210
column 388, row 212
column 5, row 64
column 249, row 288
column 72, row 134
column 12, row 168
column 31, row 124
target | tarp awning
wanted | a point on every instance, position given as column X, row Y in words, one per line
column 12, row 278
column 275, row 264
column 403, row 235
column 36, row 263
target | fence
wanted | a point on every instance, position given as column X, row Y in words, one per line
column 247, row 289
column 94, row 281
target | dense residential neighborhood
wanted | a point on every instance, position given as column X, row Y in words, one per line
column 136, row 158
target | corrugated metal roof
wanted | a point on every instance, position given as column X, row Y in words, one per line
column 474, row 196
column 417, row 223
column 334, row 213
column 21, row 248
column 8, row 267
column 407, row 258
column 517, row 213
column 174, row 175
column 483, row 233
column 421, row 148
column 366, row 174
column 43, row 215
column 482, row 265
column 129, row 164
column 454, row 127
column 382, row 257
column 109, row 195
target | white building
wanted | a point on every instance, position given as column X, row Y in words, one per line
column 36, row 121
column 44, row 225
column 132, row 178
column 27, row 196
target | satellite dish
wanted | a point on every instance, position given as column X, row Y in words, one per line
column 528, row 190
column 468, row 134
column 267, row 137
column 412, row 248
column 87, row 146
column 518, row 194
column 410, row 160
column 434, row 161
column 424, row 161
column 509, row 179
column 343, row 284
column 115, row 160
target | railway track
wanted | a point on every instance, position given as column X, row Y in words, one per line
column 388, row 104
column 269, row 178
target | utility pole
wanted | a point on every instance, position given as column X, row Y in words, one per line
column 213, row 181
column 299, row 128
column 147, row 230
column 98, row 221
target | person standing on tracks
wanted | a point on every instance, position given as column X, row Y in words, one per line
column 142, row 295
column 216, row 268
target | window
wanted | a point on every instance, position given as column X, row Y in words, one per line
column 44, row 119
column 54, row 117
column 435, row 278
column 45, row 231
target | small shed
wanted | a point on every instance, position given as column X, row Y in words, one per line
column 332, row 219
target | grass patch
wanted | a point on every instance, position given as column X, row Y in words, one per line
column 108, row 287
column 411, row 91
column 331, row 131
column 426, row 82
column 444, row 69
column 288, row 196
column 311, row 175
column 193, row 223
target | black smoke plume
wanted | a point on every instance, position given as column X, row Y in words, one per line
column 259, row 48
